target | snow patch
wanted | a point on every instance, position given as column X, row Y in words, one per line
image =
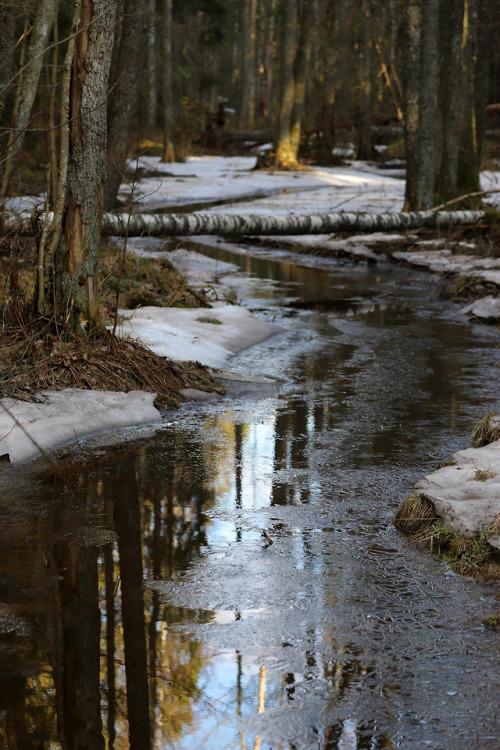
column 62, row 416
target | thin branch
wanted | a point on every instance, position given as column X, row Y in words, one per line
column 477, row 194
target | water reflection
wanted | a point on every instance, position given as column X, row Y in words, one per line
column 236, row 582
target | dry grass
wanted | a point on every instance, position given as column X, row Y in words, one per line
column 35, row 356
column 483, row 433
column 33, row 359
column 142, row 282
column 472, row 557
column 416, row 514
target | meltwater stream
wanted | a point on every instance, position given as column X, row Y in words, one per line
column 235, row 581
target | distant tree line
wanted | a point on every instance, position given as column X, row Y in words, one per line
column 84, row 84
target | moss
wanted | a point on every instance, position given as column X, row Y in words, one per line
column 208, row 319
column 483, row 434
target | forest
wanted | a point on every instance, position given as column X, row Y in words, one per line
column 86, row 85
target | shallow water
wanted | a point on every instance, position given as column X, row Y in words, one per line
column 236, row 581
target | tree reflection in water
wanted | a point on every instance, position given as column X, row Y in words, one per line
column 85, row 661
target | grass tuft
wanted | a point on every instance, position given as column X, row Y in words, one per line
column 483, row 433
column 469, row 556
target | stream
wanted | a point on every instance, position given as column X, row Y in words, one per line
column 232, row 578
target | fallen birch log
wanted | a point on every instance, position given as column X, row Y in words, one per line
column 184, row 225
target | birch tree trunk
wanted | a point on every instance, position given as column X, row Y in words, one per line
column 172, row 225
column 285, row 157
column 40, row 33
column 124, row 93
column 77, row 253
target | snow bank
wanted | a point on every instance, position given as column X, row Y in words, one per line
column 210, row 336
column 62, row 416
column 467, row 493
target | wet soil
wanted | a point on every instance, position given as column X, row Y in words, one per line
column 236, row 580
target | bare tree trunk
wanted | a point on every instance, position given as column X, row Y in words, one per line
column 124, row 93
column 285, row 157
column 38, row 42
column 151, row 63
column 364, row 149
column 76, row 256
column 7, row 48
column 451, row 27
column 308, row 21
column 247, row 64
column 167, row 88
column 421, row 72
column 476, row 56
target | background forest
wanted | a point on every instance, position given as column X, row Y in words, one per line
column 84, row 85
column 306, row 75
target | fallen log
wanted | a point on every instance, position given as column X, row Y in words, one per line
column 184, row 225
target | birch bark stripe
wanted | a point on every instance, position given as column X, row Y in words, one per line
column 184, row 225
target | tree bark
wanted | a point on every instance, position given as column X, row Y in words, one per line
column 421, row 75
column 42, row 26
column 285, row 158
column 77, row 253
column 308, row 20
column 167, row 88
column 124, row 92
column 452, row 18
column 247, row 64
column 172, row 225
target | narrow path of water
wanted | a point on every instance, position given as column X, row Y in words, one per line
column 281, row 609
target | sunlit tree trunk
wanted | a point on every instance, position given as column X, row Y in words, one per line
column 77, row 254
column 308, row 20
column 285, row 156
column 39, row 38
column 124, row 93
column 167, row 87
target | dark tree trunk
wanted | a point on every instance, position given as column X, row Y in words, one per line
column 421, row 72
column 124, row 92
column 167, row 88
column 450, row 95
column 128, row 528
column 39, row 38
